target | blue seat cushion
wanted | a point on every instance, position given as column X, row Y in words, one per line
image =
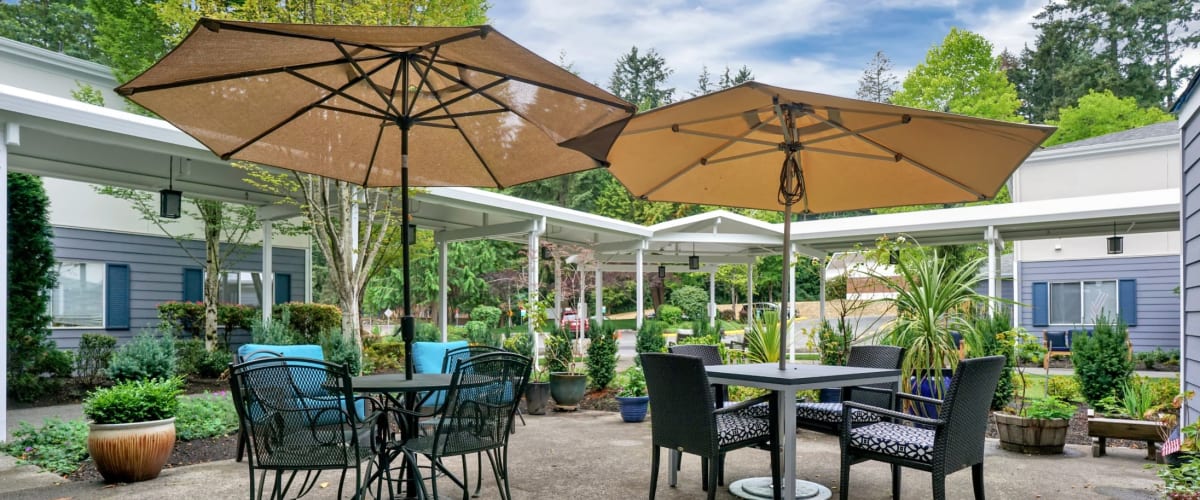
column 428, row 357
column 251, row 352
column 896, row 440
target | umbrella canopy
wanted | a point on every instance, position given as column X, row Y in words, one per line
column 346, row 102
column 765, row 147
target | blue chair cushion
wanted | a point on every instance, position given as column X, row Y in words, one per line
column 316, row 403
column 428, row 357
column 1058, row 341
column 251, row 352
column 896, row 440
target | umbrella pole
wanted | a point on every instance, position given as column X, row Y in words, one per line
column 407, row 323
column 783, row 301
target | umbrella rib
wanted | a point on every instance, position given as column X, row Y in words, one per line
column 543, row 85
column 833, row 137
column 743, row 155
column 125, row 91
column 704, row 159
column 471, row 145
column 459, row 81
column 850, row 154
column 363, row 76
column 297, row 114
column 693, row 122
column 423, row 81
column 348, row 97
column 465, row 114
column 456, row 99
column 732, row 138
column 379, row 136
column 900, row 157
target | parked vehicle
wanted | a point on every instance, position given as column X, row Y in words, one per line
column 571, row 322
column 759, row 308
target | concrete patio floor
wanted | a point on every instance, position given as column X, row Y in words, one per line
column 593, row 455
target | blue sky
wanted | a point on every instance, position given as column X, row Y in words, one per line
column 817, row 45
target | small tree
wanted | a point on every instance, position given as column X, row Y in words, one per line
column 692, row 299
column 1102, row 361
column 601, row 354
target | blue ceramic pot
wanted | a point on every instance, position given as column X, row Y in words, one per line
column 829, row 395
column 633, row 408
column 927, row 389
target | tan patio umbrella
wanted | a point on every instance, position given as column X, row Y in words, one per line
column 765, row 147
column 346, row 102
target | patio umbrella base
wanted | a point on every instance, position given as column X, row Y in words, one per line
column 756, row 488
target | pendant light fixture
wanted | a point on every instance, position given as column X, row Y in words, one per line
column 1116, row 244
column 170, row 201
column 662, row 271
column 694, row 260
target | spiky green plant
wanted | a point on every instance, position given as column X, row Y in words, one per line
column 762, row 341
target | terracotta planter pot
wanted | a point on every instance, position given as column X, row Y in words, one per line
column 127, row 453
column 1033, row 436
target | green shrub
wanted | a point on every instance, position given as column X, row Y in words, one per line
column 650, row 338
column 560, row 357
column 147, row 356
column 834, row 344
column 489, row 315
column 57, row 446
column 1101, row 362
column 1137, row 397
column 425, row 332
column 1049, row 407
column 205, row 416
column 95, row 351
column 602, row 354
column 669, row 314
column 1065, row 388
column 338, row 349
column 308, row 320
column 631, row 382
column 520, row 343
column 479, row 333
column 193, row 359
column 383, row 354
column 187, row 318
column 32, row 273
column 993, row 335
column 134, row 401
column 691, row 300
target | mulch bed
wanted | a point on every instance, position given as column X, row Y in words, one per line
column 73, row 392
column 185, row 453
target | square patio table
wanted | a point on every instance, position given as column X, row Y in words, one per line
column 785, row 383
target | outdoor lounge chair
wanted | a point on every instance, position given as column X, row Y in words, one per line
column 685, row 419
column 827, row 417
column 951, row 442
column 1059, row 344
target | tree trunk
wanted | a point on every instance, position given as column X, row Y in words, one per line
column 210, row 213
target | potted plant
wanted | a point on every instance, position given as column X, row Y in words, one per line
column 632, row 396
column 567, row 383
column 131, row 432
column 537, row 392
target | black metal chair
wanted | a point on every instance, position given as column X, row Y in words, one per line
column 475, row 418
column 951, row 442
column 711, row 355
column 827, row 417
column 300, row 414
column 454, row 356
column 684, row 418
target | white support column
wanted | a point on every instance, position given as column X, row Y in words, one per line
column 712, row 297
column 1016, row 286
column 791, row 307
column 308, row 271
column 8, row 136
column 532, row 248
column 268, row 274
column 557, row 290
column 443, row 286
column 989, row 236
column 750, row 293
column 821, row 303
column 639, row 264
column 598, row 294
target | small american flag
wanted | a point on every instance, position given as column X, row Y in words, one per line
column 1172, row 444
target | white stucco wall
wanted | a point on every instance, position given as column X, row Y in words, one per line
column 48, row 72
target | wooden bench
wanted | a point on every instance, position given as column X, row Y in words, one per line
column 1101, row 429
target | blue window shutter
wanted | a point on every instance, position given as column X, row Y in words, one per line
column 1127, row 296
column 1041, row 304
column 283, row 288
column 193, row 285
column 116, row 297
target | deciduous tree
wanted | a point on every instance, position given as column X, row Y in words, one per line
column 1099, row 113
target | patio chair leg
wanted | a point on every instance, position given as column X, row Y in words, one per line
column 721, row 470
column 844, row 482
column 673, row 459
column 241, row 449
column 939, row 486
column 977, row 480
column 655, row 455
column 896, row 472
column 711, row 483
column 704, row 472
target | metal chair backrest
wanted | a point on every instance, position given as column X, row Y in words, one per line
column 457, row 355
column 480, row 403
column 682, row 416
column 1057, row 341
column 293, row 410
column 965, row 411
column 876, row 356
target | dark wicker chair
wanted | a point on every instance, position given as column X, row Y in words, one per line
column 685, row 419
column 711, row 355
column 300, row 414
column 475, row 418
column 827, row 417
column 941, row 446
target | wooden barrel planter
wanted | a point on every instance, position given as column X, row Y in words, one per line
column 1033, row 436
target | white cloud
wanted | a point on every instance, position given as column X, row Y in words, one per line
column 1009, row 28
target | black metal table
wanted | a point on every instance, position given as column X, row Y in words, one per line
column 391, row 384
column 785, row 383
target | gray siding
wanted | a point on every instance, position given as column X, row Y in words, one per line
column 156, row 265
column 1157, row 303
column 1190, row 142
column 1006, row 288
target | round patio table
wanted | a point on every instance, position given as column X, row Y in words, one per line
column 390, row 385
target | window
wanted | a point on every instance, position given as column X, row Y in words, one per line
column 78, row 300
column 1081, row 302
column 242, row 287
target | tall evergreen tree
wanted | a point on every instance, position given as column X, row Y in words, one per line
column 878, row 82
column 730, row 79
column 31, row 277
column 63, row 26
column 641, row 79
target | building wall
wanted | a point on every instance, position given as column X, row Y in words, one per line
column 1006, row 288
column 156, row 265
column 1189, row 120
column 1157, row 302
column 32, row 68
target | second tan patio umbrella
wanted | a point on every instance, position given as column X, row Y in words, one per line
column 765, row 147
column 382, row 106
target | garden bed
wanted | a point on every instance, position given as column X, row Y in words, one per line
column 73, row 393
column 186, row 453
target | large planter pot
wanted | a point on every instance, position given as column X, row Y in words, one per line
column 1033, row 436
column 633, row 408
column 925, row 388
column 829, row 395
column 537, row 398
column 127, row 453
column 567, row 389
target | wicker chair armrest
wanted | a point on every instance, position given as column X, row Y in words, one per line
column 848, row 405
column 918, row 398
column 745, row 404
column 852, row 388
